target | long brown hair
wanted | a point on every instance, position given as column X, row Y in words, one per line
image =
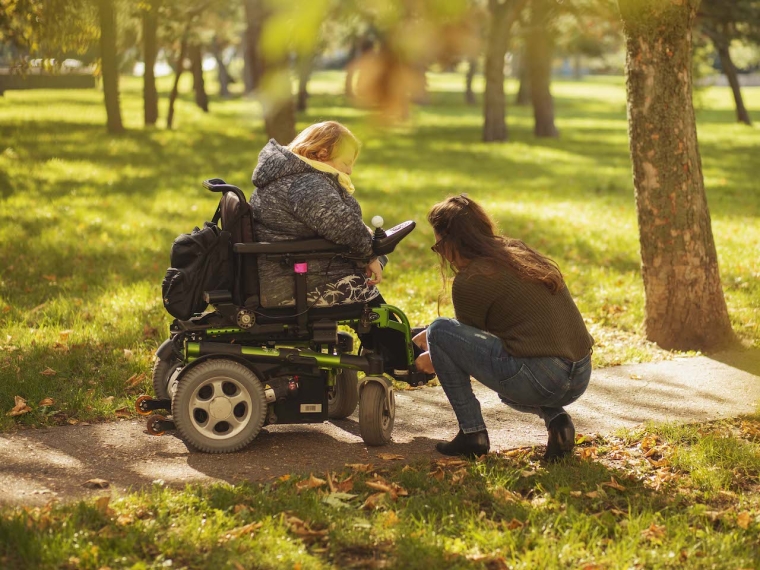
column 467, row 233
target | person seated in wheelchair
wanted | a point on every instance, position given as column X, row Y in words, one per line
column 304, row 191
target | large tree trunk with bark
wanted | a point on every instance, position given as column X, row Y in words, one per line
column 502, row 16
column 199, row 86
column 150, row 53
column 110, row 65
column 729, row 70
column 685, row 307
column 540, row 48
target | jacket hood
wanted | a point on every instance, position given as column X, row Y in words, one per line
column 276, row 162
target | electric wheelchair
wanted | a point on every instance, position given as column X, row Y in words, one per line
column 224, row 374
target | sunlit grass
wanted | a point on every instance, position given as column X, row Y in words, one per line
column 668, row 496
column 87, row 219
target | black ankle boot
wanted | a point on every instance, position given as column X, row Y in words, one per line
column 467, row 444
column 561, row 438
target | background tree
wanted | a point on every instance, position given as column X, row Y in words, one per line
column 539, row 49
column 503, row 14
column 685, row 307
column 109, row 65
column 149, row 17
column 724, row 22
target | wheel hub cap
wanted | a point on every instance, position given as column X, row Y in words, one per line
column 220, row 408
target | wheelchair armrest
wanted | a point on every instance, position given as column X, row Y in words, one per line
column 305, row 246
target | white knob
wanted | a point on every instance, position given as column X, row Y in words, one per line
column 377, row 221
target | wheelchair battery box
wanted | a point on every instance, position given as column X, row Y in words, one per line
column 307, row 405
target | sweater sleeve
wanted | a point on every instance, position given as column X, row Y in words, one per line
column 318, row 205
column 472, row 295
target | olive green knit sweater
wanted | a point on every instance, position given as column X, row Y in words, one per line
column 526, row 316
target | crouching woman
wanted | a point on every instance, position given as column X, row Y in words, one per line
column 517, row 330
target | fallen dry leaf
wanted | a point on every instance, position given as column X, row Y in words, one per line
column 101, row 503
column 135, row 379
column 51, row 278
column 390, row 456
column 391, row 519
column 46, row 402
column 123, row 413
column 284, row 478
column 65, row 334
column 743, row 520
column 374, row 501
column 96, row 484
column 128, row 354
column 514, row 523
column 439, row 474
column 614, row 484
column 654, row 532
column 310, row 483
column 361, row 467
column 20, row 408
column 48, row 372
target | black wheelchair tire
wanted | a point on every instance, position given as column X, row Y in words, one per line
column 162, row 372
column 344, row 396
column 189, row 387
column 375, row 420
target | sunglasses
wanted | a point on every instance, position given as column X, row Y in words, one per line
column 435, row 248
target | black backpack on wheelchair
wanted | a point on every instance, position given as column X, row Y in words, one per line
column 224, row 373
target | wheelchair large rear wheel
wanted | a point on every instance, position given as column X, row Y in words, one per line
column 162, row 373
column 376, row 418
column 219, row 406
column 344, row 395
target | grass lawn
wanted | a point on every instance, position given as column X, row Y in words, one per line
column 661, row 497
column 86, row 222
column 87, row 219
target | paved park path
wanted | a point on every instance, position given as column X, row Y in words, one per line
column 37, row 466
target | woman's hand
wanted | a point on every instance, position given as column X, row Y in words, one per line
column 424, row 363
column 420, row 339
column 374, row 271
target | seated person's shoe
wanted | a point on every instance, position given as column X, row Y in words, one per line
column 466, row 444
column 561, row 438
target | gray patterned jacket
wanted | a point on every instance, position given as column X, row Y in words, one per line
column 293, row 200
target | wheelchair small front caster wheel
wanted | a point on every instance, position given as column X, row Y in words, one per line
column 376, row 416
column 158, row 424
column 141, row 405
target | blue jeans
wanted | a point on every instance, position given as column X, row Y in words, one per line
column 539, row 385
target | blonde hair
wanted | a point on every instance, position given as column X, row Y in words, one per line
column 329, row 136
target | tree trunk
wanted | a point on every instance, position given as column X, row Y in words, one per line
column 523, row 92
column 502, row 15
column 150, row 53
column 199, row 86
column 255, row 16
column 305, row 67
column 110, row 66
column 685, row 307
column 223, row 74
column 729, row 70
column 540, row 48
column 247, row 65
column 180, row 67
column 469, row 94
column 280, row 121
